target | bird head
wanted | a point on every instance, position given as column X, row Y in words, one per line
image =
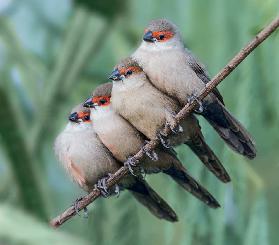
column 100, row 97
column 161, row 33
column 126, row 69
column 80, row 115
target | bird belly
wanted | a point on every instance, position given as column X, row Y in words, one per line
column 170, row 73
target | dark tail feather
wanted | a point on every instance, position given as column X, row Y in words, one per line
column 230, row 129
column 151, row 200
column 209, row 159
column 180, row 175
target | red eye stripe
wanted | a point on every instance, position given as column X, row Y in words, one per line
column 122, row 71
column 165, row 34
column 84, row 116
column 134, row 69
column 102, row 100
column 96, row 99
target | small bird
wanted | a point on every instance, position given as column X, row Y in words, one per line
column 123, row 140
column 175, row 71
column 88, row 162
column 148, row 109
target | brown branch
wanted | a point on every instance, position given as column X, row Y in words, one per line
column 151, row 145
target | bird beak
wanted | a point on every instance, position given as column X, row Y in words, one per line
column 148, row 37
column 74, row 117
column 115, row 75
column 89, row 103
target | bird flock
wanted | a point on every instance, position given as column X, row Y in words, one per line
column 147, row 90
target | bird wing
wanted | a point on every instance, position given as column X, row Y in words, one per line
column 76, row 173
column 200, row 71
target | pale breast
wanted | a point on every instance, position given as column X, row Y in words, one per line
column 143, row 110
column 170, row 73
column 84, row 158
column 118, row 135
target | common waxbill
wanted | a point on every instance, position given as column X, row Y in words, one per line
column 87, row 160
column 148, row 109
column 175, row 71
column 123, row 140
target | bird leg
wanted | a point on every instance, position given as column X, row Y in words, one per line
column 77, row 211
column 194, row 97
column 164, row 140
column 130, row 163
column 116, row 187
column 171, row 123
column 117, row 190
column 151, row 154
column 142, row 172
column 102, row 186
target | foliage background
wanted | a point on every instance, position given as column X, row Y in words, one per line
column 53, row 53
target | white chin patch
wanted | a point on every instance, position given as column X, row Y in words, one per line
column 157, row 46
column 149, row 46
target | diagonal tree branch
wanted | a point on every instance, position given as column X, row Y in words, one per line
column 151, row 145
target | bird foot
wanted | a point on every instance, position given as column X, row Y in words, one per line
column 171, row 123
column 116, row 189
column 151, row 154
column 194, row 97
column 175, row 129
column 142, row 172
column 130, row 163
column 164, row 140
column 102, row 186
column 77, row 210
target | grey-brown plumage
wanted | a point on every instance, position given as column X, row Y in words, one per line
column 148, row 109
column 87, row 160
column 149, row 198
column 175, row 71
column 103, row 90
column 123, row 140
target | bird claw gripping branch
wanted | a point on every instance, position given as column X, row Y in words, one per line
column 102, row 186
column 151, row 154
column 194, row 97
column 171, row 124
column 116, row 187
column 77, row 211
column 176, row 130
column 164, row 140
column 130, row 163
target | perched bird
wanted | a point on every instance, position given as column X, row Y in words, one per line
column 87, row 160
column 175, row 71
column 148, row 109
column 123, row 140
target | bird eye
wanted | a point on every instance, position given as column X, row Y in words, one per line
column 87, row 117
column 102, row 101
column 129, row 72
column 161, row 37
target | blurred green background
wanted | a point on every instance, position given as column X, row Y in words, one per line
column 53, row 53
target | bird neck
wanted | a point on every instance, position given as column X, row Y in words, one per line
column 78, row 127
column 101, row 112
